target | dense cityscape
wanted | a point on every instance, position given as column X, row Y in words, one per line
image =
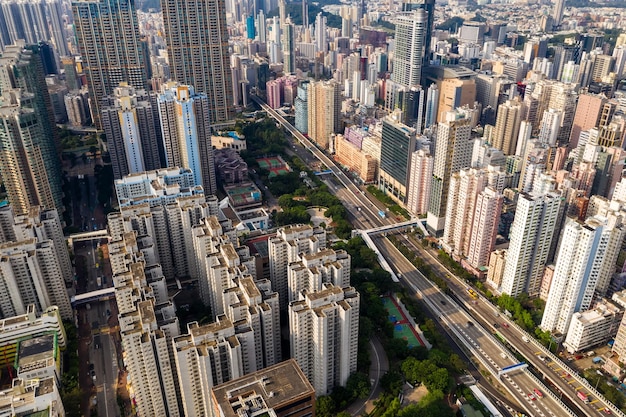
column 401, row 208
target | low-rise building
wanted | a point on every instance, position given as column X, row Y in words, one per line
column 277, row 391
column 350, row 155
column 593, row 327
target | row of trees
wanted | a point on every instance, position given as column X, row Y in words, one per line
column 388, row 201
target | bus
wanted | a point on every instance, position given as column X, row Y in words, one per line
column 472, row 293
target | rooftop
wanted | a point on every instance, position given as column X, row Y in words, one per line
column 271, row 387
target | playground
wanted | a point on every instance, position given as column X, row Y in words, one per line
column 274, row 164
column 401, row 327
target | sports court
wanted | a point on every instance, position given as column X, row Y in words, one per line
column 274, row 164
column 401, row 327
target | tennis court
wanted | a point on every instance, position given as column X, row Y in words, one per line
column 271, row 162
column 401, row 327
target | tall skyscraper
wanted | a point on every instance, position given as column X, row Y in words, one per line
column 108, row 39
column 453, row 152
column 131, row 123
column 321, row 38
column 33, row 21
column 429, row 7
column 186, row 131
column 410, row 47
column 324, row 328
column 579, row 264
column 324, row 105
column 506, row 131
column 197, row 45
column 534, row 227
column 557, row 13
column 29, row 160
column 396, row 149
column 289, row 59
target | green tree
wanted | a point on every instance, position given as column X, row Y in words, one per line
column 438, row 380
column 358, row 385
column 324, row 406
column 391, row 382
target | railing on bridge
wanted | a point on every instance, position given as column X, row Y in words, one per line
column 89, row 297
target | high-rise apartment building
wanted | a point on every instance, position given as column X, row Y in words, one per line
column 396, row 149
column 312, row 270
column 29, row 162
column 587, row 115
column 165, row 226
column 324, row 328
column 147, row 330
column 131, row 124
column 324, row 105
column 453, row 152
column 186, row 131
column 410, row 45
column 301, row 106
column 286, row 247
column 197, row 45
column 40, row 223
column 420, row 181
column 472, row 217
column 30, row 273
column 579, row 264
column 33, row 21
column 109, row 42
column 532, row 232
column 484, row 227
column 506, row 131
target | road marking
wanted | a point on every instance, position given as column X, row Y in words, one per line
column 538, row 353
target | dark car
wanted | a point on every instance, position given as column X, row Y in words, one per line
column 469, row 323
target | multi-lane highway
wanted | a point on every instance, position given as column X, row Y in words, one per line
column 566, row 380
column 492, row 355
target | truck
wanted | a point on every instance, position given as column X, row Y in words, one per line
column 584, row 398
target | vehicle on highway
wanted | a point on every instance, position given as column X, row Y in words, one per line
column 469, row 323
column 606, row 411
column 538, row 393
column 525, row 339
column 472, row 293
column 495, row 325
column 505, row 324
column 503, row 355
column 583, row 397
column 531, row 397
column 443, row 302
column 542, row 358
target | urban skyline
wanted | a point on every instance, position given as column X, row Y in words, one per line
column 188, row 184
